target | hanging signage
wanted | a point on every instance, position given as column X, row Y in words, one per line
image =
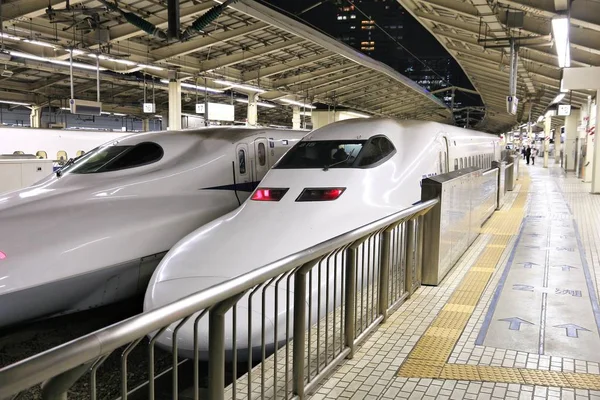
column 200, row 107
column 149, row 108
column 564, row 109
column 512, row 103
column 220, row 112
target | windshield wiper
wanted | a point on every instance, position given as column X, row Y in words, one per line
column 59, row 171
column 325, row 168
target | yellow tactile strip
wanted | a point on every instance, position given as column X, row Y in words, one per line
column 429, row 357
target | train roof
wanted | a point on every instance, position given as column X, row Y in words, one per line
column 364, row 128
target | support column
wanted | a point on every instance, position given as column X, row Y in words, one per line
column 547, row 129
column 35, row 118
column 252, row 118
column 146, row 124
column 296, row 118
column 570, row 148
column 596, row 160
column 174, row 103
column 557, row 145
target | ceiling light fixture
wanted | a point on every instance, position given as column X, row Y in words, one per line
column 17, row 103
column 38, row 43
column 9, row 37
column 145, row 66
column 191, row 86
column 357, row 114
column 560, row 31
column 297, row 103
column 540, row 119
column 558, row 98
column 239, row 86
column 52, row 61
column 260, row 103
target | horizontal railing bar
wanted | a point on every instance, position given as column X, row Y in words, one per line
column 38, row 368
column 490, row 171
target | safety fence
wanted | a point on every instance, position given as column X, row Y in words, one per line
column 298, row 317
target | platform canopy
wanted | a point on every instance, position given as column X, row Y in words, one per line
column 247, row 44
column 475, row 33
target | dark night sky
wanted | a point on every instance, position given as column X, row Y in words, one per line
column 415, row 38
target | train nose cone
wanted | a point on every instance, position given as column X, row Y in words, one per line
column 162, row 293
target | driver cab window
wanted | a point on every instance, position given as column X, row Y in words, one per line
column 116, row 158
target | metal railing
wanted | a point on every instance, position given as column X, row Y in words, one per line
column 332, row 296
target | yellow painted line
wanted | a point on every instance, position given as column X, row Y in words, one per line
column 429, row 357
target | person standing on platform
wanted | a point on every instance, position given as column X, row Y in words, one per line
column 523, row 151
column 528, row 154
column 534, row 152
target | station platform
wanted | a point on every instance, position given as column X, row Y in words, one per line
column 518, row 317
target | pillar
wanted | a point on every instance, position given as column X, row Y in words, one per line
column 296, row 118
column 146, row 124
column 596, row 159
column 252, row 118
column 557, row 145
column 547, row 129
column 174, row 122
column 35, row 118
column 570, row 145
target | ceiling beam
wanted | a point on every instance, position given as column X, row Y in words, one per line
column 307, row 76
column 283, row 67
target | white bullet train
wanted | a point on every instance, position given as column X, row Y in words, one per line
column 93, row 232
column 53, row 144
column 339, row 177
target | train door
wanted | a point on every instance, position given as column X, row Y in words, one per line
column 242, row 166
column 261, row 165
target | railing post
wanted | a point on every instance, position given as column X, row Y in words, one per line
column 419, row 244
column 410, row 256
column 350, row 297
column 300, row 329
column 384, row 273
column 216, row 347
column 56, row 388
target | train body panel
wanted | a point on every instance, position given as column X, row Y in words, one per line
column 375, row 180
column 102, row 221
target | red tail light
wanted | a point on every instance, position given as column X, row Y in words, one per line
column 320, row 194
column 2, row 255
column 269, row 194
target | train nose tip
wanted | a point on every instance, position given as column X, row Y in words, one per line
column 164, row 292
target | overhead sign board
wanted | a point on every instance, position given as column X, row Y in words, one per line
column 149, row 108
column 221, row 112
column 512, row 103
column 564, row 109
column 200, row 107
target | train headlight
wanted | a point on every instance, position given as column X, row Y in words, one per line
column 320, row 194
column 269, row 194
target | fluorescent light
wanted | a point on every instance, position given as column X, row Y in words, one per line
column 9, row 37
column 150, row 67
column 357, row 114
column 306, row 113
column 239, row 86
column 78, row 52
column 17, row 103
column 260, row 103
column 117, row 60
column 558, row 98
column 560, row 30
column 115, row 114
column 52, row 61
column 38, row 43
column 540, row 119
column 550, row 113
column 191, row 86
column 297, row 103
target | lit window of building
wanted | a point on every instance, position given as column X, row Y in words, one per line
column 352, row 16
column 339, row 17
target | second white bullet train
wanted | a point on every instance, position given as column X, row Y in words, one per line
column 338, row 178
column 93, row 232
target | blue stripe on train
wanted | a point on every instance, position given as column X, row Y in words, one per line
column 240, row 187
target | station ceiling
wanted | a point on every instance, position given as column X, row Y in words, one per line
column 475, row 31
column 249, row 44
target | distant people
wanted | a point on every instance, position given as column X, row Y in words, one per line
column 523, row 151
column 534, row 152
column 528, row 154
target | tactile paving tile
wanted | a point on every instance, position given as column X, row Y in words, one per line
column 460, row 372
column 500, row 374
column 421, row 369
column 433, row 348
column 583, row 381
column 451, row 320
column 544, row 378
column 468, row 298
column 443, row 332
column 458, row 308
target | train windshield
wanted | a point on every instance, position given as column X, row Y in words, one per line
column 117, row 157
column 322, row 154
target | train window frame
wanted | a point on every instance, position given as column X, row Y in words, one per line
column 462, row 164
column 456, row 164
column 262, row 157
column 241, row 155
column 106, row 167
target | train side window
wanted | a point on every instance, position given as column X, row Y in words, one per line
column 242, row 161
column 462, row 163
column 41, row 154
column 440, row 167
column 61, row 155
column 456, row 164
column 80, row 153
column 18, row 153
column 377, row 149
column 262, row 155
